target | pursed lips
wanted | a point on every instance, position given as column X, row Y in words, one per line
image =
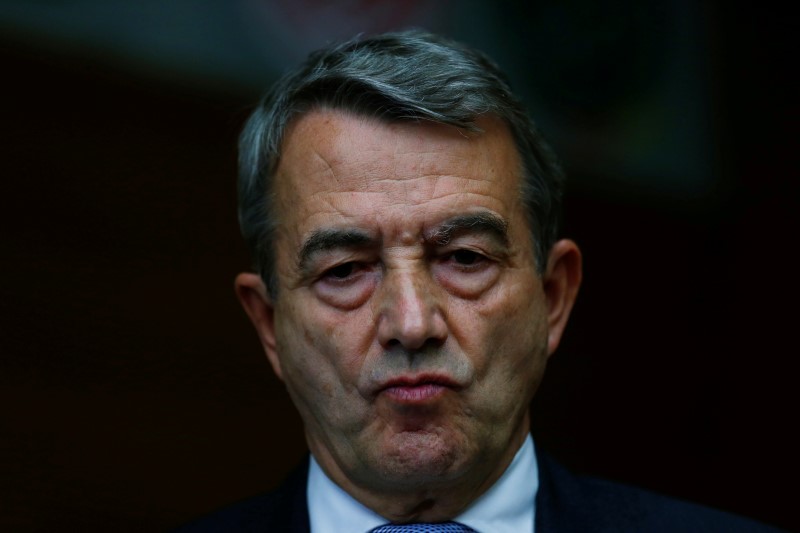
column 417, row 390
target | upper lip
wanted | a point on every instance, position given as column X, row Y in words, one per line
column 418, row 380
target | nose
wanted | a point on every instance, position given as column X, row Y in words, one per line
column 410, row 313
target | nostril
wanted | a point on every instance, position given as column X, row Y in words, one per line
column 434, row 342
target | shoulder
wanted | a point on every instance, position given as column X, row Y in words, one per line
column 567, row 502
column 283, row 509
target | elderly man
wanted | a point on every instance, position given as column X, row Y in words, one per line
column 410, row 288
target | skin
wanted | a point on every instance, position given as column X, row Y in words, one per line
column 411, row 327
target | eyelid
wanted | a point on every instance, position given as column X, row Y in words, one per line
column 357, row 266
column 486, row 248
column 324, row 260
column 329, row 272
column 346, row 292
column 481, row 259
column 361, row 267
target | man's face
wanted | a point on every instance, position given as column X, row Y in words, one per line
column 410, row 326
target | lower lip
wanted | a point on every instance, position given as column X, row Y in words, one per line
column 417, row 394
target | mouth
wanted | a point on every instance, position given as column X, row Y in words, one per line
column 417, row 390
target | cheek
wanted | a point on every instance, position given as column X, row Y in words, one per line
column 320, row 350
column 508, row 343
column 505, row 333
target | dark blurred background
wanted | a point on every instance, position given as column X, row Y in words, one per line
column 133, row 393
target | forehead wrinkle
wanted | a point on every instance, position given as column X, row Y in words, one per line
column 429, row 186
column 328, row 168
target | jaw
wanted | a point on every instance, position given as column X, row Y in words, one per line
column 425, row 475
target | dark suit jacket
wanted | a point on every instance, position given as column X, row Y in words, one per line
column 564, row 503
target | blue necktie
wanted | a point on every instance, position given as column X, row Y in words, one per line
column 441, row 527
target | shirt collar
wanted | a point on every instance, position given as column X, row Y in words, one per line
column 507, row 507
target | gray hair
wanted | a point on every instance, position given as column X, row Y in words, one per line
column 411, row 75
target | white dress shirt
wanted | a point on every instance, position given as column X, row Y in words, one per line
column 507, row 507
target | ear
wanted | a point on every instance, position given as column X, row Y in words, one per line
column 259, row 307
column 561, row 282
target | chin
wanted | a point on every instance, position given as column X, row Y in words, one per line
column 414, row 457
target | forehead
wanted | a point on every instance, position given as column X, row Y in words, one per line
column 340, row 168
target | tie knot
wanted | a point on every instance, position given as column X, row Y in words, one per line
column 440, row 527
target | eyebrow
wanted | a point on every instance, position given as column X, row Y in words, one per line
column 474, row 222
column 323, row 240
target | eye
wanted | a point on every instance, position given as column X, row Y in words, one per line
column 466, row 257
column 467, row 273
column 347, row 285
column 466, row 260
column 341, row 272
